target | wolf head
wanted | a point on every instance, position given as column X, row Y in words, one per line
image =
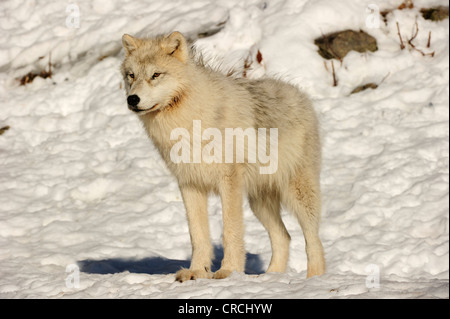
column 154, row 71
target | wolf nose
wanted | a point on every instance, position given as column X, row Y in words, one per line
column 133, row 100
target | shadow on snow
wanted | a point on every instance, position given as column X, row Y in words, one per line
column 160, row 265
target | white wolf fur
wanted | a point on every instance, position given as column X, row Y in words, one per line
column 168, row 88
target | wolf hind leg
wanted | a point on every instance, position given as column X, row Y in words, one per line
column 302, row 198
column 267, row 209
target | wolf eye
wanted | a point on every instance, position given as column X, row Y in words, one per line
column 131, row 75
column 155, row 75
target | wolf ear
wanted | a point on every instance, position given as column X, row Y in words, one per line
column 176, row 45
column 129, row 43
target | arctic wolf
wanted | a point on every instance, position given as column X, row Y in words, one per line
column 169, row 89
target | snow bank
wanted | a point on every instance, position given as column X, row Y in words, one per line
column 88, row 209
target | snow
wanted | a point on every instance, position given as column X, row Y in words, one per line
column 89, row 210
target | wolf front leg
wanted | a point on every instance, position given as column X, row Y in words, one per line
column 231, row 193
column 196, row 204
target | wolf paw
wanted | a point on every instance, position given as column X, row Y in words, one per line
column 222, row 273
column 188, row 274
column 315, row 271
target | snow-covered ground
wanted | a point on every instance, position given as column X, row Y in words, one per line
column 88, row 209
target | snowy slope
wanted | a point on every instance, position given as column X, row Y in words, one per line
column 88, row 209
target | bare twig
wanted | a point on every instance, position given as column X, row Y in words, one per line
column 325, row 64
column 415, row 33
column 385, row 77
column 420, row 51
column 247, row 64
column 334, row 74
column 429, row 39
column 402, row 46
column 414, row 36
